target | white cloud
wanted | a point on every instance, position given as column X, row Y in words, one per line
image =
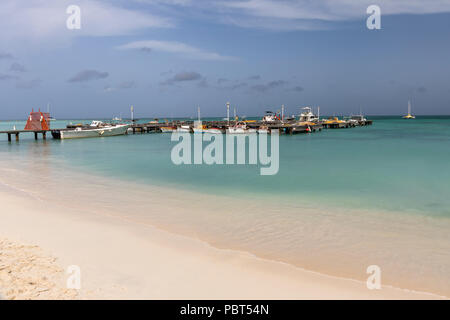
column 296, row 14
column 175, row 48
column 333, row 10
column 35, row 21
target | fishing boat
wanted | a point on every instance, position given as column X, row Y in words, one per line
column 240, row 128
column 409, row 115
column 357, row 120
column 301, row 127
column 95, row 130
column 270, row 117
column 308, row 116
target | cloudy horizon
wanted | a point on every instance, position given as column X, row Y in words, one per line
column 168, row 57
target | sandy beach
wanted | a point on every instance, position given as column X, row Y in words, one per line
column 122, row 259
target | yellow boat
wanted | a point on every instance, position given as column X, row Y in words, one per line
column 334, row 122
column 409, row 115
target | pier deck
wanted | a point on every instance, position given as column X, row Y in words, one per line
column 16, row 133
column 153, row 127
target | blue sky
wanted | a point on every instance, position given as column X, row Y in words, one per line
column 166, row 57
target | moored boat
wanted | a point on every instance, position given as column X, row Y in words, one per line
column 184, row 129
column 240, row 128
column 264, row 129
column 334, row 122
column 409, row 115
column 168, row 129
column 95, row 130
column 270, row 117
column 308, row 116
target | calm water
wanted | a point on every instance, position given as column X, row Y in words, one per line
column 342, row 199
column 395, row 164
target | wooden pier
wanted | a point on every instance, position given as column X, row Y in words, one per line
column 16, row 133
column 155, row 127
column 282, row 127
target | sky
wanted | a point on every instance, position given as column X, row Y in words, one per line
column 169, row 57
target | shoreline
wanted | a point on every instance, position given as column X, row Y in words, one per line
column 149, row 263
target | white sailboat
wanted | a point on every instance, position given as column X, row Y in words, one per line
column 201, row 128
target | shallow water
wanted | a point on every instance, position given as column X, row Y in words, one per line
column 395, row 165
column 342, row 200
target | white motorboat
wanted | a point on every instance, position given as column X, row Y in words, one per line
column 264, row 129
column 240, row 128
column 213, row 130
column 185, row 129
column 308, row 116
column 95, row 130
column 270, row 117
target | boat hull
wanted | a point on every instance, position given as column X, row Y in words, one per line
column 95, row 133
column 167, row 129
column 240, row 131
column 210, row 131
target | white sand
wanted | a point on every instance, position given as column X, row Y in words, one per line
column 121, row 259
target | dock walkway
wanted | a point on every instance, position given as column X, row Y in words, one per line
column 153, row 127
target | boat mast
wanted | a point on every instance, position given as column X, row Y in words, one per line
column 198, row 112
column 409, row 107
column 228, row 113
column 282, row 111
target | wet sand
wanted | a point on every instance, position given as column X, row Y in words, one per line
column 122, row 259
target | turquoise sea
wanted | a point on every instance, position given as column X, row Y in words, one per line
column 395, row 164
column 343, row 199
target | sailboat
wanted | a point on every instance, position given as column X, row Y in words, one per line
column 409, row 115
column 201, row 128
column 117, row 118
